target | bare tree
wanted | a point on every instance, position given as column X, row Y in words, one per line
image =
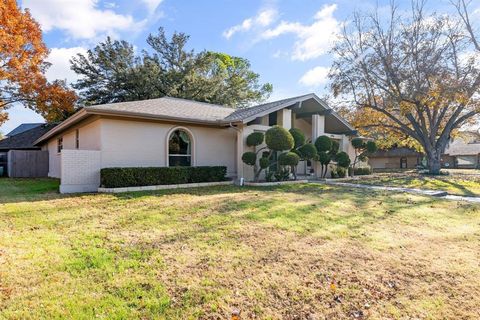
column 416, row 74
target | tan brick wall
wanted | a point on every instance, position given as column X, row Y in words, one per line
column 80, row 170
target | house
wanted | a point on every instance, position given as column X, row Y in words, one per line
column 463, row 151
column 395, row 158
column 22, row 128
column 171, row 132
column 19, row 156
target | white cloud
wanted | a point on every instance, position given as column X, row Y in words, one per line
column 152, row 5
column 312, row 40
column 263, row 19
column 60, row 60
column 81, row 19
column 315, row 77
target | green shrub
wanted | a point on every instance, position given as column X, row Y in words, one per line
column 323, row 143
column 324, row 158
column 288, row 159
column 341, row 172
column 282, row 174
column 298, row 137
column 255, row 139
column 358, row 143
column 150, row 176
column 343, row 160
column 362, row 171
column 334, row 148
column 249, row 158
column 264, row 162
column 307, row 151
column 279, row 139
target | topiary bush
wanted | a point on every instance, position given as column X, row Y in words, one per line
column 288, row 159
column 255, row 139
column 343, row 160
column 362, row 171
column 151, row 176
column 341, row 172
column 298, row 137
column 279, row 139
column 307, row 151
column 323, row 143
column 249, row 158
column 264, row 162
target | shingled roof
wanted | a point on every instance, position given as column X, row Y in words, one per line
column 188, row 111
column 22, row 128
column 25, row 140
column 167, row 107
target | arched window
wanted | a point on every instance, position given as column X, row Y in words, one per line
column 179, row 149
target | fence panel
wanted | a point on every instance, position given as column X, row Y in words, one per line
column 27, row 163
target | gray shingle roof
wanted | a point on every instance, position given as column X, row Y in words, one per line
column 22, row 128
column 25, row 139
column 242, row 114
column 168, row 107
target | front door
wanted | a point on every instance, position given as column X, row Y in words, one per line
column 403, row 163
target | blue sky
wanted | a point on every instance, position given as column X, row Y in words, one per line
column 287, row 42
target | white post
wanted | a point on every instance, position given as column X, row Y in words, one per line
column 285, row 118
column 240, row 150
column 318, row 126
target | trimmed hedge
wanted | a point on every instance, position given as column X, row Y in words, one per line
column 362, row 171
column 152, row 176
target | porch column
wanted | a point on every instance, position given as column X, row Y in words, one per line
column 240, row 150
column 318, row 126
column 284, row 118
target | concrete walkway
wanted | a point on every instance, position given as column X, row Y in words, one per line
column 426, row 192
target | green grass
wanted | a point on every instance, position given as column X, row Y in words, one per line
column 463, row 183
column 294, row 251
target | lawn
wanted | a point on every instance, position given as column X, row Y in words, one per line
column 306, row 251
column 457, row 182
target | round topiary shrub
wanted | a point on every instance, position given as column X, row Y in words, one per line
column 358, row 143
column 307, row 151
column 249, row 158
column 335, row 147
column 264, row 163
column 298, row 137
column 279, row 139
column 324, row 158
column 255, row 139
column 288, row 159
column 323, row 143
column 343, row 160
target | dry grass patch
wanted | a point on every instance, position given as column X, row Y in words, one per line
column 292, row 252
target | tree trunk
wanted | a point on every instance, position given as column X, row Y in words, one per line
column 434, row 163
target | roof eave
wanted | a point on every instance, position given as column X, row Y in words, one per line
column 62, row 126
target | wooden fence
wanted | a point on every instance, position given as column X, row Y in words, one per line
column 27, row 163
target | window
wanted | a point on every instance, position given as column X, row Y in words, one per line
column 179, row 149
column 77, row 139
column 272, row 119
column 59, row 145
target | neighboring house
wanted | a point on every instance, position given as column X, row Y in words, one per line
column 171, row 131
column 19, row 156
column 463, row 151
column 395, row 158
column 22, row 128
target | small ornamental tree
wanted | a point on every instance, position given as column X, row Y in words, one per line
column 327, row 149
column 362, row 150
column 343, row 160
column 277, row 139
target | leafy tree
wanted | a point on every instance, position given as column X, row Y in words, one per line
column 23, row 66
column 111, row 72
column 416, row 75
column 362, row 150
